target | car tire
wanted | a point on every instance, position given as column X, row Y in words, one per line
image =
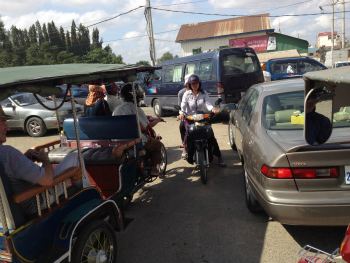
column 250, row 199
column 231, row 136
column 35, row 127
column 88, row 247
column 158, row 111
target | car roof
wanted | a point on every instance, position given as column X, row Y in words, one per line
column 279, row 86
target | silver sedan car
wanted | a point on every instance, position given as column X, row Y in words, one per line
column 28, row 115
column 295, row 183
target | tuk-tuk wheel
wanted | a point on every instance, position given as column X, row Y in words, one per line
column 96, row 242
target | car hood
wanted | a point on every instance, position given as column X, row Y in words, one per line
column 293, row 140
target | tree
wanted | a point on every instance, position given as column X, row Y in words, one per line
column 39, row 32
column 104, row 56
column 166, row 56
column 32, row 35
column 74, row 39
column 143, row 63
column 96, row 43
column 45, row 34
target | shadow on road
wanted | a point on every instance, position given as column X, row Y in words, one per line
column 178, row 219
column 324, row 238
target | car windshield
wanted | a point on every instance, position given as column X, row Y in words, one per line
column 239, row 63
column 285, row 111
column 25, row 99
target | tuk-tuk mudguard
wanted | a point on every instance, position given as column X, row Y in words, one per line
column 48, row 238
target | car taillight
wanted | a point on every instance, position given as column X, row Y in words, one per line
column 277, row 173
column 220, row 88
column 312, row 173
column 299, row 173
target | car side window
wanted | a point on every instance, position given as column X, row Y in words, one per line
column 250, row 105
column 168, row 74
column 191, row 68
column 243, row 101
column 5, row 103
column 311, row 66
column 206, row 70
column 177, row 73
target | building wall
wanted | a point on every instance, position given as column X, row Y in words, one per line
column 327, row 41
column 210, row 44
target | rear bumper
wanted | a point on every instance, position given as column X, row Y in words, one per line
column 307, row 208
column 314, row 215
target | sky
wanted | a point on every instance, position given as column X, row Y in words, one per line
column 126, row 34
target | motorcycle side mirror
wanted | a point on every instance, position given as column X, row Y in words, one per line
column 318, row 115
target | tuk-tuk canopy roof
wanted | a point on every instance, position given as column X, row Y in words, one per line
column 336, row 75
column 51, row 75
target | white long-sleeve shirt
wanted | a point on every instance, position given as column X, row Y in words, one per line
column 192, row 103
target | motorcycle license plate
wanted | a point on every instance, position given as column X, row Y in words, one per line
column 347, row 174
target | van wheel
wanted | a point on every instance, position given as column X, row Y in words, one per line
column 158, row 111
column 250, row 199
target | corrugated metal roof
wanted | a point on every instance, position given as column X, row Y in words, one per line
column 224, row 27
column 263, row 57
column 321, row 34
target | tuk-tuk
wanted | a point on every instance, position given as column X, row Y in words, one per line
column 327, row 100
column 80, row 225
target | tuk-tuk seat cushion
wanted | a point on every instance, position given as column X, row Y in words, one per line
column 123, row 127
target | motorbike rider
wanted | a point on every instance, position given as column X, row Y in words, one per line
column 182, row 122
column 127, row 107
column 194, row 101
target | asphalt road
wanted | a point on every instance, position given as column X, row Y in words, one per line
column 177, row 219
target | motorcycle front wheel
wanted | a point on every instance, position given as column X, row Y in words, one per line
column 203, row 169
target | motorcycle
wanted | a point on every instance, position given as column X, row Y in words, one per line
column 199, row 133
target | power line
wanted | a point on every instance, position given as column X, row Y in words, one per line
column 235, row 15
column 114, row 17
column 184, row 3
column 279, row 7
column 140, row 36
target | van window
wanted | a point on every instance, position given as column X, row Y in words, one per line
column 168, row 74
column 238, row 63
column 206, row 70
column 190, row 69
column 177, row 74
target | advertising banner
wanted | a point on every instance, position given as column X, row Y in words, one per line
column 259, row 43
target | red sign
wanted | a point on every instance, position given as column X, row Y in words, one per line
column 258, row 43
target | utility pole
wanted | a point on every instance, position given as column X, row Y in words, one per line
column 343, row 27
column 148, row 16
column 332, row 46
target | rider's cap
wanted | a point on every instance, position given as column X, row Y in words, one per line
column 193, row 79
column 3, row 116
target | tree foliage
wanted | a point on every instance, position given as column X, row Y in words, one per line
column 166, row 56
column 43, row 44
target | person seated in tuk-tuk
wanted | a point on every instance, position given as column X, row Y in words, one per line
column 111, row 96
column 21, row 168
column 127, row 107
column 95, row 104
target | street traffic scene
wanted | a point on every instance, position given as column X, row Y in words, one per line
column 228, row 140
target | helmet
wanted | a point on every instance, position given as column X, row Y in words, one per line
column 127, row 95
column 193, row 79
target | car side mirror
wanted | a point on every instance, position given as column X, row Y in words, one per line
column 318, row 115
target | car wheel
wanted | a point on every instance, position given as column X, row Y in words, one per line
column 35, row 127
column 158, row 111
column 97, row 242
column 231, row 136
column 251, row 201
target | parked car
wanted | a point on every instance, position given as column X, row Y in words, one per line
column 295, row 183
column 294, row 67
column 341, row 64
column 80, row 93
column 28, row 115
column 226, row 73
